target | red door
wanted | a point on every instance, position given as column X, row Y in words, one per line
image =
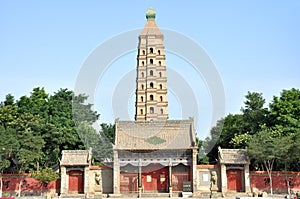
column 155, row 179
column 128, row 182
column 75, row 181
column 234, row 179
column 178, row 179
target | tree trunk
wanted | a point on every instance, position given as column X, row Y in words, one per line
column 271, row 184
column 1, row 185
column 287, row 181
column 288, row 186
column 20, row 186
column 269, row 166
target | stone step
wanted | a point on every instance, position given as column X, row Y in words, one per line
column 73, row 196
column 145, row 195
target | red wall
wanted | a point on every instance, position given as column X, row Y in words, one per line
column 260, row 180
column 30, row 185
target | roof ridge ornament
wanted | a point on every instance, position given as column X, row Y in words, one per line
column 150, row 14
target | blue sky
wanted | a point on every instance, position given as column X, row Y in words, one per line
column 253, row 44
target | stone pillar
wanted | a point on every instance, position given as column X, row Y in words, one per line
column 194, row 170
column 170, row 178
column 63, row 180
column 116, row 173
column 86, row 187
column 247, row 178
column 223, row 178
column 140, row 185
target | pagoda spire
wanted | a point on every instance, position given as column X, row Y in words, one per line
column 150, row 14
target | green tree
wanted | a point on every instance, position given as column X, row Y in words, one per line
column 109, row 131
column 288, row 154
column 83, row 112
column 100, row 144
column 52, row 120
column 53, row 117
column 232, row 127
column 254, row 112
column 285, row 118
column 8, row 111
column 202, row 158
column 254, row 115
column 285, row 112
column 44, row 175
column 30, row 153
column 9, row 145
column 263, row 148
column 9, row 100
column 221, row 135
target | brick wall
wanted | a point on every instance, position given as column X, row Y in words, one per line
column 261, row 181
column 30, row 186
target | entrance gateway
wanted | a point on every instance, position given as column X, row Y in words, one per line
column 234, row 165
column 153, row 167
column 153, row 153
column 75, row 168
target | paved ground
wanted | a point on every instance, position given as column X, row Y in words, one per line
column 275, row 196
column 269, row 197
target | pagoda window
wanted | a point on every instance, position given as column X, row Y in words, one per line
column 151, row 50
column 151, row 72
column 151, row 85
column 159, row 63
column 158, row 52
column 141, row 111
column 161, row 111
column 151, row 110
column 151, row 98
column 160, row 86
column 161, row 98
column 151, row 61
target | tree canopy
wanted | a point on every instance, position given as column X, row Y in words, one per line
column 263, row 129
column 38, row 127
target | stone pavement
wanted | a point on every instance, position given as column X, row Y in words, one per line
column 275, row 196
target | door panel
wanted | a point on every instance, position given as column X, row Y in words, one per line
column 76, row 181
column 154, row 178
column 234, row 179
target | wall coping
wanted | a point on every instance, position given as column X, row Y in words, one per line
column 207, row 166
column 274, row 172
column 99, row 167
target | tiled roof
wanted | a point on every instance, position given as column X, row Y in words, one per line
column 153, row 135
column 76, row 157
column 150, row 28
column 233, row 156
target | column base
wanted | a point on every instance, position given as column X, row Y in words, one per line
column 214, row 194
column 140, row 191
column 170, row 192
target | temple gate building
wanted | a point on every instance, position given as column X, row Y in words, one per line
column 153, row 153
